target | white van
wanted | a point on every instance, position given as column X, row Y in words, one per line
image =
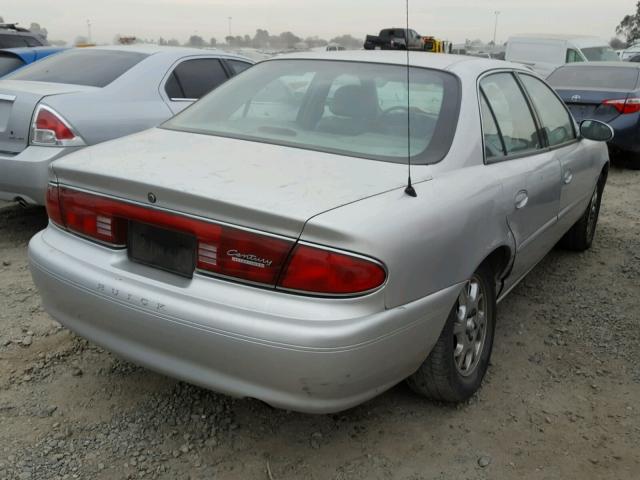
column 545, row 53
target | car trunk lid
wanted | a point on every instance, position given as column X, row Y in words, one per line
column 18, row 101
column 261, row 186
column 590, row 104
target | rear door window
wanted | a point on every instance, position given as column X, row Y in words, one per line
column 512, row 113
column 238, row 66
column 573, row 56
column 557, row 124
column 81, row 66
column 193, row 79
column 493, row 146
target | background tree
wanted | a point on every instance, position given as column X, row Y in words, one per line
column 617, row 44
column 196, row 41
column 630, row 26
column 315, row 41
column 260, row 39
column 213, row 42
column 288, row 40
column 173, row 42
column 348, row 41
column 36, row 28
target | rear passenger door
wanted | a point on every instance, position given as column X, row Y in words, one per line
column 516, row 153
column 579, row 169
column 191, row 79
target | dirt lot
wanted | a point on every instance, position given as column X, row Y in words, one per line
column 561, row 399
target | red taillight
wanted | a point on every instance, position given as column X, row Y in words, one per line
column 316, row 270
column 222, row 250
column 47, row 120
column 93, row 216
column 624, row 106
column 53, row 204
column 50, row 129
column 249, row 256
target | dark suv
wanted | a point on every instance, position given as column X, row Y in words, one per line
column 12, row 36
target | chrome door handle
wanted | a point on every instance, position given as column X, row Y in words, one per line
column 568, row 177
column 522, row 198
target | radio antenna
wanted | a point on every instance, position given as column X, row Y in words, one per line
column 409, row 190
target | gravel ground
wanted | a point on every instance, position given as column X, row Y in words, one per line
column 560, row 399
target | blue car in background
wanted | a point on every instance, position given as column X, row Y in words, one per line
column 13, row 58
column 609, row 92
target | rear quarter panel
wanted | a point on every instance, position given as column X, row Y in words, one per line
column 439, row 238
column 427, row 243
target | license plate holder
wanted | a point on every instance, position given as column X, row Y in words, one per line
column 168, row 250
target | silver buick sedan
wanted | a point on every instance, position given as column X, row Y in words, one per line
column 266, row 242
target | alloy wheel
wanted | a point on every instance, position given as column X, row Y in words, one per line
column 470, row 328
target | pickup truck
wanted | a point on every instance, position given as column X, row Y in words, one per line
column 394, row 39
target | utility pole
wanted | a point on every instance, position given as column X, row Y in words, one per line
column 230, row 18
column 495, row 28
column 88, row 31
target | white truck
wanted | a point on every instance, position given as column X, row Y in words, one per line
column 545, row 53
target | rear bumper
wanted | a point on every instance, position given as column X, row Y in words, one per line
column 293, row 352
column 627, row 133
column 26, row 174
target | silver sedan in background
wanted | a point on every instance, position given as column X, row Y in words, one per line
column 85, row 96
column 265, row 242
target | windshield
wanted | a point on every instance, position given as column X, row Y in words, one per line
column 357, row 109
column 90, row 67
column 600, row 54
column 587, row 76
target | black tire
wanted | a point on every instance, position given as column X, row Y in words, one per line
column 580, row 237
column 439, row 377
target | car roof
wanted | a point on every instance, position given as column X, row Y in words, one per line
column 438, row 61
column 150, row 49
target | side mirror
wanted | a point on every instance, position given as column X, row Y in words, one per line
column 596, row 130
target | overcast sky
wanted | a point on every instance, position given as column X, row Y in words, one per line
column 451, row 19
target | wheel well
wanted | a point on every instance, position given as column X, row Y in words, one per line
column 499, row 260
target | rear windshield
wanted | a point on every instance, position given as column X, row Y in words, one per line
column 611, row 78
column 600, row 54
column 8, row 63
column 93, row 68
column 356, row 109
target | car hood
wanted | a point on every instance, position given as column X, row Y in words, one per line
column 267, row 187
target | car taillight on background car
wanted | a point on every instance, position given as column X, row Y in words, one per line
column 51, row 130
column 624, row 106
column 222, row 250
